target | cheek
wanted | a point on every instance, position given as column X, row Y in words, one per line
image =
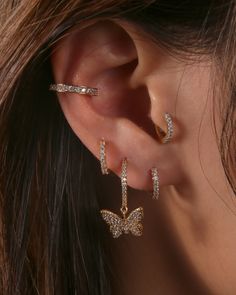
column 195, row 110
column 195, row 98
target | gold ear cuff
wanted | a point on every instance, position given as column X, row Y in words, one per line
column 74, row 89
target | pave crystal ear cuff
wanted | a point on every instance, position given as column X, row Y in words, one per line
column 167, row 136
column 124, row 224
column 74, row 89
column 103, row 161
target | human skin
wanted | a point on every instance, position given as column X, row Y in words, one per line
column 188, row 245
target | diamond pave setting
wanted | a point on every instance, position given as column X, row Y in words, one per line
column 156, row 182
column 170, row 128
column 103, row 160
column 74, row 89
column 119, row 225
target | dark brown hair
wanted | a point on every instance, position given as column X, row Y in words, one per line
column 52, row 241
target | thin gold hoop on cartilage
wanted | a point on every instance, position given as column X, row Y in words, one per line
column 167, row 136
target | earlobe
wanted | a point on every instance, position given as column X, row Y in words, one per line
column 105, row 56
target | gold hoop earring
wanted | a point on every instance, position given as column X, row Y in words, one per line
column 103, row 161
column 130, row 224
column 155, row 183
column 74, row 89
column 167, row 136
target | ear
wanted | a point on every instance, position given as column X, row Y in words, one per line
column 123, row 64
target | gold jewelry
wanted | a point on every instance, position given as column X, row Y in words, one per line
column 103, row 160
column 168, row 135
column 74, row 89
column 156, row 183
column 119, row 225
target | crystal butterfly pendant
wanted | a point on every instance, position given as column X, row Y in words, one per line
column 119, row 225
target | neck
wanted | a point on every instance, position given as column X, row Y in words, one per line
column 188, row 245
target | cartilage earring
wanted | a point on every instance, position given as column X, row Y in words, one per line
column 103, row 160
column 74, row 89
column 125, row 224
column 166, row 137
column 155, row 183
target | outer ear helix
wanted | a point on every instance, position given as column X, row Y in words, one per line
column 167, row 136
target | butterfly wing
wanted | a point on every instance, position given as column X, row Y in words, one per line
column 133, row 222
column 114, row 221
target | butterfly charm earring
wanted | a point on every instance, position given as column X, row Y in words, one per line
column 125, row 224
